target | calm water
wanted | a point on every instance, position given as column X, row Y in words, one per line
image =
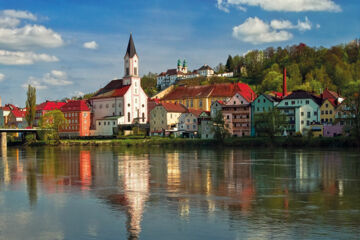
column 182, row 193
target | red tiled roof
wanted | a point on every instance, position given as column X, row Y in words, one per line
column 18, row 113
column 120, row 92
column 8, row 107
column 174, row 107
column 216, row 90
column 49, row 105
column 195, row 112
column 246, row 92
column 329, row 94
column 75, row 105
column 171, row 71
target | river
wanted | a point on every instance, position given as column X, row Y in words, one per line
column 178, row 193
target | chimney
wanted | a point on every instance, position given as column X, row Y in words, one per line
column 284, row 83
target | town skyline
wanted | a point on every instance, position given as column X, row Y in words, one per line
column 63, row 52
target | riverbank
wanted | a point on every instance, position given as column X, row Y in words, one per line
column 285, row 142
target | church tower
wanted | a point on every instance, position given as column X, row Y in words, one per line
column 131, row 63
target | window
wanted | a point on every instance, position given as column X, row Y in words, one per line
column 286, row 103
column 127, row 71
column 85, row 114
column 188, row 120
column 308, row 114
column 242, row 102
column 234, row 102
column 100, row 106
column 128, row 104
column 200, row 103
column 302, row 122
column 315, row 113
column 331, row 112
column 326, row 105
column 191, row 103
column 142, row 105
column 143, row 117
column 227, row 117
column 135, row 71
column 99, row 123
column 107, row 105
column 326, row 112
column 258, row 100
column 194, row 120
column 307, row 101
column 258, row 109
column 322, row 112
column 128, row 116
column 194, row 126
column 113, row 105
column 292, row 102
column 302, row 113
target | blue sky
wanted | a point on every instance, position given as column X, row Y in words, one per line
column 67, row 47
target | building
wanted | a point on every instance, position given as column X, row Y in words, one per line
column 237, row 116
column 201, row 97
column 17, row 118
column 301, row 109
column 188, row 124
column 77, row 114
column 122, row 99
column 205, row 71
column 172, row 76
column 263, row 103
column 327, row 111
column 165, row 117
column 4, row 114
column 45, row 107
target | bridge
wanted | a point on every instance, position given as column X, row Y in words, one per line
column 4, row 132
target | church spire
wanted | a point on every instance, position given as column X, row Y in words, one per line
column 131, row 51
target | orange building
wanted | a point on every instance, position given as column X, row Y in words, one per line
column 77, row 114
column 45, row 107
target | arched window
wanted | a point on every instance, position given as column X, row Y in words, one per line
column 128, row 116
column 143, row 117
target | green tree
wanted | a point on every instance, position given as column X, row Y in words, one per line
column 269, row 123
column 272, row 82
column 53, row 121
column 229, row 66
column 218, row 127
column 352, row 110
column 295, row 76
column 220, row 68
column 30, row 105
column 148, row 84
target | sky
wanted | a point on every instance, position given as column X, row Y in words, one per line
column 66, row 48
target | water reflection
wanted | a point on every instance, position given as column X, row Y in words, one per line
column 256, row 186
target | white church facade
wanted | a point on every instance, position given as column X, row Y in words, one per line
column 121, row 102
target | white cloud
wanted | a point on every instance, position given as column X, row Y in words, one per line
column 18, row 14
column 282, row 5
column 30, row 36
column 78, row 94
column 255, row 31
column 9, row 22
column 91, row 45
column 56, row 78
column 2, row 77
column 24, row 58
column 35, row 83
column 286, row 24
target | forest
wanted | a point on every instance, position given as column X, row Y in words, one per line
column 308, row 68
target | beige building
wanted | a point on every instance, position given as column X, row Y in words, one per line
column 165, row 116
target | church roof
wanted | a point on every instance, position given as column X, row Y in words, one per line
column 131, row 47
column 115, row 88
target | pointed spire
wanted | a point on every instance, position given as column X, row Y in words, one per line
column 131, row 47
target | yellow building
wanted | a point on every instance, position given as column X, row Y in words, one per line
column 201, row 97
column 327, row 111
column 165, row 116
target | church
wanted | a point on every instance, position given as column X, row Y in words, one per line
column 122, row 102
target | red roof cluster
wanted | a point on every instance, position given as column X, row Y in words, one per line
column 216, row 90
column 75, row 106
column 18, row 113
column 49, row 105
column 174, row 107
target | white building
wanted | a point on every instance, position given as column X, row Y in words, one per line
column 123, row 99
